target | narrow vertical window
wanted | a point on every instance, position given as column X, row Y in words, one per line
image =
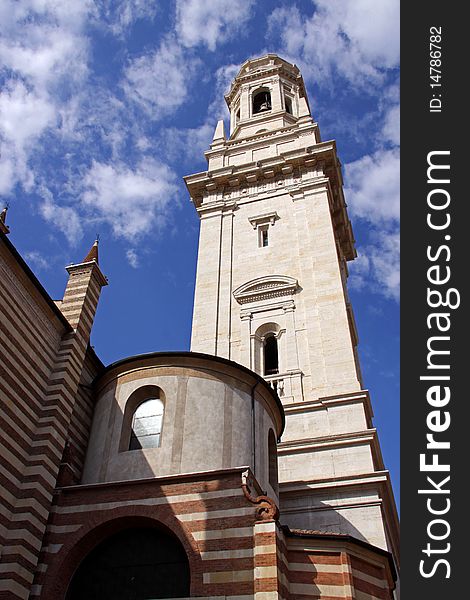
column 147, row 425
column 271, row 359
column 263, row 240
column 288, row 106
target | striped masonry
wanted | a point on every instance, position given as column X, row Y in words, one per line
column 230, row 553
column 38, row 389
column 332, row 574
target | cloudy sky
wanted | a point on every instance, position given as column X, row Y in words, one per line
column 106, row 104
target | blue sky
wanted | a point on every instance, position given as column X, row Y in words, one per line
column 105, row 105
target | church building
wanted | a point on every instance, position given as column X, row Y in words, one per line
column 246, row 469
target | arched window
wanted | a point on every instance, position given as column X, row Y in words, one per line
column 261, row 102
column 271, row 357
column 141, row 562
column 146, row 425
column 237, row 116
column 272, row 454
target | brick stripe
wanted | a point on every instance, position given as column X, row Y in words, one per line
column 83, row 501
column 365, row 567
column 371, row 589
column 50, row 391
column 16, row 345
column 28, row 328
column 314, row 558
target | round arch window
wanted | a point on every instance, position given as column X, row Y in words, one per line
column 146, row 427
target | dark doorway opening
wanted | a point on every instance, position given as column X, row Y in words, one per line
column 135, row 564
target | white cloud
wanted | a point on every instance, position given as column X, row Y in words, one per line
column 391, row 127
column 378, row 265
column 223, row 78
column 187, row 144
column 356, row 39
column 131, row 201
column 7, row 175
column 43, row 54
column 43, row 41
column 159, row 80
column 33, row 257
column 132, row 258
column 210, row 23
column 24, row 115
column 372, row 187
column 67, row 14
column 373, row 195
column 120, row 15
column 45, row 51
column 65, row 218
column 191, row 143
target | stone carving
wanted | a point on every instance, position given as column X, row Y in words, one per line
column 267, row 509
column 262, row 288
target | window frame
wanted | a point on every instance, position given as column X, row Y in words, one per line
column 135, row 399
column 254, row 94
column 263, row 236
column 135, row 437
column 266, row 339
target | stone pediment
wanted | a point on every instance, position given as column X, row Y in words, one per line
column 262, row 288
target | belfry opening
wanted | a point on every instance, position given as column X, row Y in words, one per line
column 261, row 102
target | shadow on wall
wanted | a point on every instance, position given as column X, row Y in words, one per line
column 309, row 512
column 139, row 497
column 134, row 538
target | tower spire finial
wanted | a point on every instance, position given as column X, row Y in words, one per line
column 93, row 253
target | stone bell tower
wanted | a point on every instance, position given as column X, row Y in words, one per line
column 271, row 294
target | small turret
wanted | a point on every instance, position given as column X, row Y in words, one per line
column 83, row 291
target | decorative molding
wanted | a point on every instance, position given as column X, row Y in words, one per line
column 263, row 288
column 264, row 219
column 261, row 338
column 283, row 305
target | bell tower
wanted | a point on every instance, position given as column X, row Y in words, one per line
column 271, row 294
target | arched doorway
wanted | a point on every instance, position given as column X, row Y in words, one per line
column 138, row 563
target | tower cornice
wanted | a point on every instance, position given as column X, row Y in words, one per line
column 298, row 172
